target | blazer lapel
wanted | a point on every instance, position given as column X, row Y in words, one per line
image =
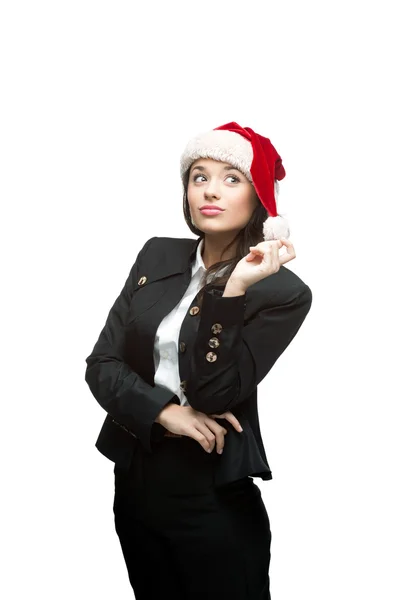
column 166, row 280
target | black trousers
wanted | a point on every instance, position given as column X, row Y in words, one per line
column 183, row 538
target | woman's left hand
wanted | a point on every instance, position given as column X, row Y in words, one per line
column 262, row 260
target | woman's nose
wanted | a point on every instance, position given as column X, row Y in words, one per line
column 212, row 189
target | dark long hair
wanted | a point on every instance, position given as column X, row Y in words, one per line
column 250, row 235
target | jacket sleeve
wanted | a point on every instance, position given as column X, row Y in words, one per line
column 131, row 401
column 245, row 354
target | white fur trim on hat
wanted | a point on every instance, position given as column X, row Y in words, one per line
column 226, row 146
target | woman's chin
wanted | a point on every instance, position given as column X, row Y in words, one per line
column 217, row 230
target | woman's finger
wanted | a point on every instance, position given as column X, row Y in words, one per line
column 219, row 433
column 250, row 256
column 260, row 248
column 270, row 259
column 199, row 437
column 276, row 257
column 210, row 422
column 233, row 420
column 290, row 254
column 209, row 443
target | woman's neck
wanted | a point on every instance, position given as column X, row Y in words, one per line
column 213, row 248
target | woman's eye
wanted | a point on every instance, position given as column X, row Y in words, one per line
column 195, row 178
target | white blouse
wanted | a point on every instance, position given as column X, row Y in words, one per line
column 166, row 358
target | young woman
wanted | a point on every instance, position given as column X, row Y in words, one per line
column 195, row 329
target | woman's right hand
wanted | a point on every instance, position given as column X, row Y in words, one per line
column 203, row 428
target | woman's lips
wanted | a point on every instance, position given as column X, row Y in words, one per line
column 210, row 211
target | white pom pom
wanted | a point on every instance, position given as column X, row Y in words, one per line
column 275, row 228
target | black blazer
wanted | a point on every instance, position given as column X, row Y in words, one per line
column 253, row 330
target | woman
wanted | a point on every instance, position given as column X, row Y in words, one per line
column 196, row 327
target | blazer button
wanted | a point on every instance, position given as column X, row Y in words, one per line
column 182, row 347
column 194, row 310
column 216, row 328
column 142, row 280
column 211, row 357
column 183, row 386
column 213, row 342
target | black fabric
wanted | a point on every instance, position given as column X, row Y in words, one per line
column 256, row 329
column 184, row 538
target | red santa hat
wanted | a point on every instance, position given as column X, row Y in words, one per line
column 251, row 153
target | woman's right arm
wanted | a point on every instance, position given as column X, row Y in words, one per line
column 120, row 391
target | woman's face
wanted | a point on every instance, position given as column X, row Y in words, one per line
column 222, row 186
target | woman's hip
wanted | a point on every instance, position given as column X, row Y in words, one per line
column 179, row 476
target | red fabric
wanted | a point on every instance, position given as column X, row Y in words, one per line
column 266, row 165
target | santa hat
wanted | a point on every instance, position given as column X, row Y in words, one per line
column 251, row 153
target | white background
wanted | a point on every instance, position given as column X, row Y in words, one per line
column 97, row 102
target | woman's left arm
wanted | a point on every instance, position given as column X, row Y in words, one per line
column 245, row 353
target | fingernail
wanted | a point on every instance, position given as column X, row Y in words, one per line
column 210, row 450
column 220, row 450
column 241, row 429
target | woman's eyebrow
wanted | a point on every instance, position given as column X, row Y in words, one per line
column 228, row 168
